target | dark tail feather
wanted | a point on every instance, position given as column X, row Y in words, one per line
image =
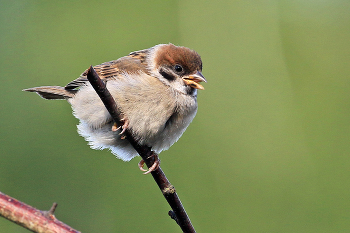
column 52, row 92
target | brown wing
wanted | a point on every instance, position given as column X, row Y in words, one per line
column 135, row 61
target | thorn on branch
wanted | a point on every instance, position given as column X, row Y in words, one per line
column 173, row 216
column 51, row 213
column 53, row 208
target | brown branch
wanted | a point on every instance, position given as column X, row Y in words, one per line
column 146, row 154
column 31, row 218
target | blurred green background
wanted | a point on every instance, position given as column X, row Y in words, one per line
column 269, row 150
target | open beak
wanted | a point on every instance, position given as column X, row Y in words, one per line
column 193, row 80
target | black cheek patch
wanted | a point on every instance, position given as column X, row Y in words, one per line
column 168, row 76
column 191, row 91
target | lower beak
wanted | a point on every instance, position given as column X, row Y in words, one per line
column 193, row 80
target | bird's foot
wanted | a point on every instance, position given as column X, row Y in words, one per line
column 125, row 125
column 153, row 167
column 115, row 127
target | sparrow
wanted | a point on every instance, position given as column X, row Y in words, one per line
column 155, row 90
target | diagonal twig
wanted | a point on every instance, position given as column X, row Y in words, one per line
column 31, row 218
column 146, row 154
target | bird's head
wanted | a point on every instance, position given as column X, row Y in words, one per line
column 177, row 67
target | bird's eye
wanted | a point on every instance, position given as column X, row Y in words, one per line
column 178, row 68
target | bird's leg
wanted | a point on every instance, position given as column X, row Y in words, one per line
column 153, row 167
column 125, row 125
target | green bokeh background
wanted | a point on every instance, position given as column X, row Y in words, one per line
column 269, row 150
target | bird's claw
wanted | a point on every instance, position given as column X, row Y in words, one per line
column 141, row 164
column 115, row 127
column 125, row 125
column 152, row 168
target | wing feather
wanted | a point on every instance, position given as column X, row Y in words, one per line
column 135, row 61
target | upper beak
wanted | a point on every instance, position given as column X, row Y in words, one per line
column 193, row 80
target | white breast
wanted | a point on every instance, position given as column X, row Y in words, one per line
column 146, row 103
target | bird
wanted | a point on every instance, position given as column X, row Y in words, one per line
column 155, row 90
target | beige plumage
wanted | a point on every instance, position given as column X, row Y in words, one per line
column 155, row 89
